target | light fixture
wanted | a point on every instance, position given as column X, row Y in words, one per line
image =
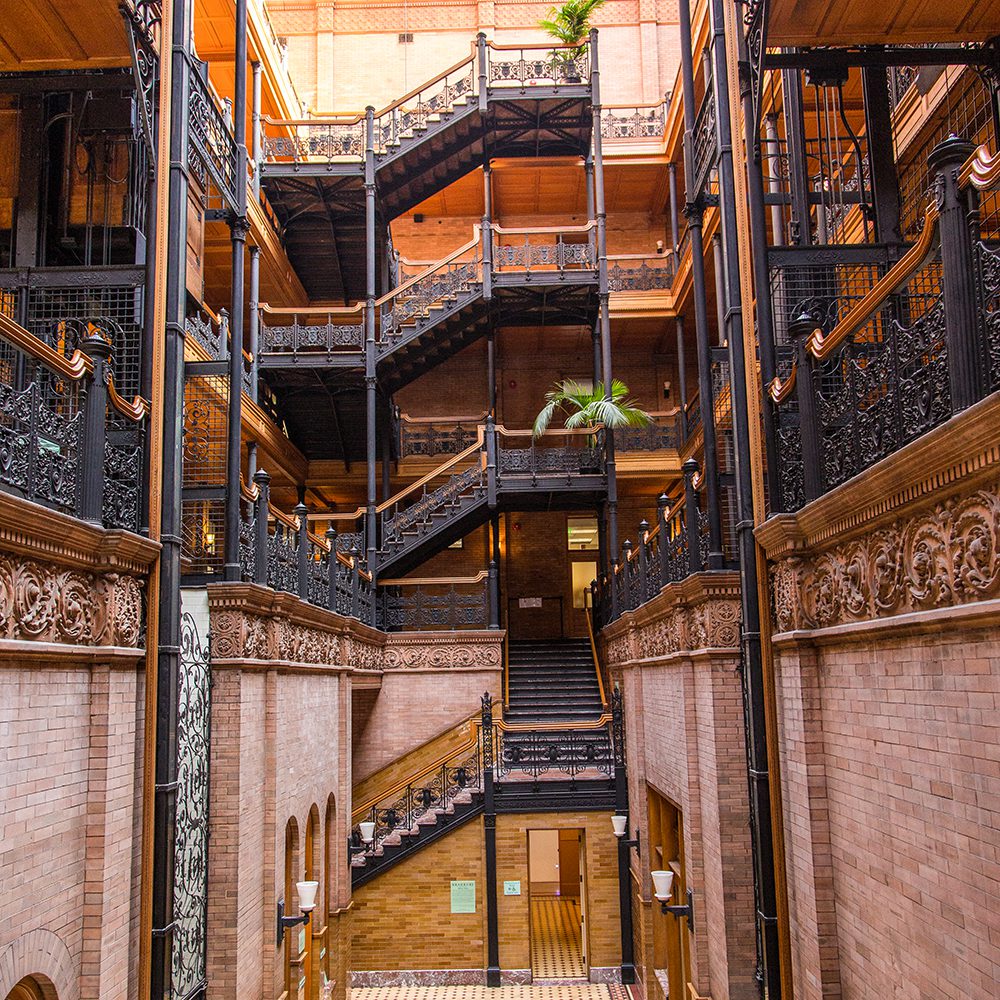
column 620, row 824
column 306, row 892
column 367, row 831
column 663, row 883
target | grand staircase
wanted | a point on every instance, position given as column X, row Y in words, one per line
column 552, row 681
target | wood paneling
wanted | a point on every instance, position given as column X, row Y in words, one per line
column 72, row 34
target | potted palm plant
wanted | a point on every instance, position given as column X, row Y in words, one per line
column 569, row 24
column 586, row 405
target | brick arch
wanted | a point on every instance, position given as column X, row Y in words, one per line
column 43, row 956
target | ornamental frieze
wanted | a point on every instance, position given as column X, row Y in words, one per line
column 947, row 556
column 455, row 652
column 45, row 602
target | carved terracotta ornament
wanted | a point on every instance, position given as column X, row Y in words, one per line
column 412, row 654
column 45, row 602
column 944, row 557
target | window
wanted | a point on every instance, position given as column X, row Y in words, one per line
column 584, row 573
column 581, row 534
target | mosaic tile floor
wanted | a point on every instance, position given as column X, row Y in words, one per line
column 555, row 939
column 574, row 991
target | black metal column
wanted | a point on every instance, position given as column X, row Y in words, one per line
column 752, row 664
column 603, row 293
column 253, row 328
column 494, row 571
column 881, row 156
column 675, row 234
column 624, row 849
column 257, row 148
column 168, row 653
column 371, row 540
column 693, row 214
column 682, row 391
column 238, row 229
column 490, row 832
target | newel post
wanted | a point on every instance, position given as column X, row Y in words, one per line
column 302, row 549
column 355, row 582
column 262, row 481
column 626, row 575
column 643, row 558
column 956, row 211
column 90, row 464
column 800, row 328
column 690, row 469
column 662, row 508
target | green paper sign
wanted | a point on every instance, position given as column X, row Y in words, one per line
column 463, row 897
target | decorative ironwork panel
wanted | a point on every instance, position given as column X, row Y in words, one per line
column 214, row 337
column 203, row 532
column 528, row 255
column 122, row 477
column 282, row 560
column 248, row 541
column 210, row 141
column 642, row 276
column 320, row 141
column 406, row 310
column 188, row 957
column 451, row 495
column 315, row 338
column 442, row 438
column 534, row 460
column 989, row 306
column 534, row 67
column 664, row 433
column 420, row 608
column 633, row 123
column 206, row 398
column 573, row 752
column 440, row 98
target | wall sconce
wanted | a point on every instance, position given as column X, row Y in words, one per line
column 620, row 824
column 663, row 883
column 367, row 833
column 307, row 903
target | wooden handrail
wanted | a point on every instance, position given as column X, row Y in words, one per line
column 552, row 727
column 781, row 389
column 467, row 61
column 981, row 170
column 436, row 473
column 551, row 432
column 821, row 346
column 543, row 230
column 666, row 255
column 436, row 266
column 327, row 118
column 74, row 367
column 593, row 653
column 406, row 418
column 352, row 516
column 433, row 581
column 623, row 107
column 522, row 48
column 135, row 410
column 314, row 310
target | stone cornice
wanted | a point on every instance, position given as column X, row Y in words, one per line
column 36, row 532
column 700, row 614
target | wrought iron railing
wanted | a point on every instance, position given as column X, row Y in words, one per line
column 634, row 121
column 436, row 435
column 704, row 142
column 211, row 330
column 867, row 373
column 213, row 150
column 640, row 272
column 662, row 432
column 57, row 414
column 673, row 548
column 543, row 249
column 328, row 138
column 430, row 603
column 309, row 332
column 279, row 551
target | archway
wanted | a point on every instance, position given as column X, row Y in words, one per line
column 33, row 988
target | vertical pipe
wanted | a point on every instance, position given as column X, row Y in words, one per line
column 256, row 139
column 254, row 322
column 881, row 157
column 588, row 175
column 170, row 533
column 675, row 234
column 491, row 375
column 798, row 172
column 774, row 178
column 602, row 291
column 681, row 378
column 371, row 540
column 494, row 571
column 752, row 662
column 693, row 213
column 719, row 264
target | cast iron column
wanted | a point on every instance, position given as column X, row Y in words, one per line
column 624, row 857
column 254, row 324
column 602, row 293
column 371, row 541
column 494, row 571
column 238, row 228
column 490, row 831
column 675, row 234
column 257, row 146
column 681, row 380
column 693, row 214
column 751, row 661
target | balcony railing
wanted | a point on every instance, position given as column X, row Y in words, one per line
column 64, row 438
column 434, row 603
column 436, row 435
column 873, row 365
column 673, row 548
column 641, row 272
column 634, row 121
column 310, row 331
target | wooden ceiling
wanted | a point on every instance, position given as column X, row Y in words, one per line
column 897, row 22
column 69, row 34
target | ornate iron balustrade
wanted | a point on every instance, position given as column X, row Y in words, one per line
column 917, row 344
column 637, row 121
column 704, row 152
column 444, row 436
column 641, row 272
column 323, row 140
column 531, row 66
column 68, row 440
column 674, row 548
column 212, row 149
column 663, row 432
column 543, row 458
column 524, row 250
column 411, row 116
column 279, row 551
column 417, row 516
column 570, row 753
column 437, row 790
column 297, row 338
column 427, row 604
column 211, row 331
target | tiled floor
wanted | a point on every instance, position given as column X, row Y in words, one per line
column 555, row 939
column 574, row 991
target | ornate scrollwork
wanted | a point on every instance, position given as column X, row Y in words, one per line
column 44, row 602
column 940, row 558
column 455, row 653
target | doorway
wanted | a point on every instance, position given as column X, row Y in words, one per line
column 557, row 900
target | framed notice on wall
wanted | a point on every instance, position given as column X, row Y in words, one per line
column 463, row 896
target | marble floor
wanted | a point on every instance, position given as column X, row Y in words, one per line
column 555, row 939
column 567, row 991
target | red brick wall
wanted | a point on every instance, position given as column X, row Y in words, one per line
column 891, row 780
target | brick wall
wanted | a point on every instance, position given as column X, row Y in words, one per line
column 415, row 894
column 676, row 660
